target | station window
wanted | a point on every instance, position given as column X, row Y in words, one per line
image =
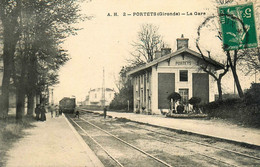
column 183, row 75
column 184, row 95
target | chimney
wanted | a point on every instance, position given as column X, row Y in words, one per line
column 165, row 51
column 157, row 54
column 182, row 42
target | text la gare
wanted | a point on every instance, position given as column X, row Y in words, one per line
column 195, row 13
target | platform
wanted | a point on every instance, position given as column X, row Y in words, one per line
column 51, row 143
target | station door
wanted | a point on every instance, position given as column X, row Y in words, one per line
column 166, row 86
column 200, row 86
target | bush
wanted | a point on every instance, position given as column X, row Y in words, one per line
column 175, row 96
column 252, row 95
column 222, row 108
column 121, row 99
column 194, row 101
column 243, row 111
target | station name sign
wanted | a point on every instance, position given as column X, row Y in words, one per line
column 238, row 26
column 180, row 63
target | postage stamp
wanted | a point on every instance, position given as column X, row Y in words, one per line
column 238, row 26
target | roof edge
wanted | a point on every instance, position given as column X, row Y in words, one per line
column 177, row 52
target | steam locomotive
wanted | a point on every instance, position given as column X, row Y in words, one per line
column 67, row 105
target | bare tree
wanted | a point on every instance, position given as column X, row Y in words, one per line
column 208, row 60
column 147, row 43
column 251, row 59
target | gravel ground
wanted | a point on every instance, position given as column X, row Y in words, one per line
column 175, row 151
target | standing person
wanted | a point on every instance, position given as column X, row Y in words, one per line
column 51, row 109
column 37, row 112
column 60, row 111
column 77, row 114
column 43, row 111
column 57, row 110
column 105, row 112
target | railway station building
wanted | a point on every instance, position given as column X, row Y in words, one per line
column 169, row 72
column 95, row 96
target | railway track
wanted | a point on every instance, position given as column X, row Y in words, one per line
column 169, row 141
column 161, row 161
column 183, row 138
column 122, row 141
column 173, row 138
column 200, row 143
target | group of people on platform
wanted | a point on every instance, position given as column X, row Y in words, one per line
column 54, row 109
column 40, row 111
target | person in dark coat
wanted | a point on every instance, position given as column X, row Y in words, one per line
column 43, row 111
column 105, row 112
column 77, row 114
column 60, row 111
column 37, row 112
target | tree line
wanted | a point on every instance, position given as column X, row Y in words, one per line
column 32, row 33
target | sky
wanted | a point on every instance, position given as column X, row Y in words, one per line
column 105, row 41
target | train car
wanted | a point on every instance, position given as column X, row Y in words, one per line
column 67, row 105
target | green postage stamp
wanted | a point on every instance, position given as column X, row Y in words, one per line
column 238, row 26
